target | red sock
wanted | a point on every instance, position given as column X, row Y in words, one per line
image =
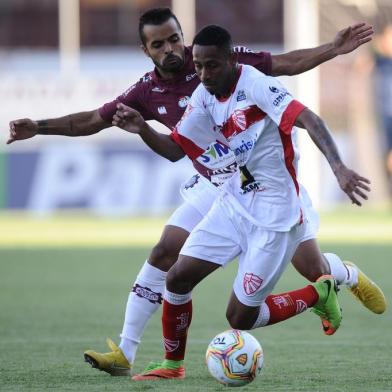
column 286, row 305
column 175, row 322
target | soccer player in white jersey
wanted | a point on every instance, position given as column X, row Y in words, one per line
column 161, row 94
column 260, row 216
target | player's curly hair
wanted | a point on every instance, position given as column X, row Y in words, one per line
column 216, row 36
column 156, row 17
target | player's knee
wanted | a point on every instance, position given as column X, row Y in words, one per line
column 316, row 270
column 237, row 321
column 177, row 282
column 162, row 256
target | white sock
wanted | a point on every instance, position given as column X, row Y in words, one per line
column 144, row 300
column 344, row 274
column 177, row 299
column 263, row 317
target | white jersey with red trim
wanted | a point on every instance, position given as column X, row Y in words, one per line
column 256, row 121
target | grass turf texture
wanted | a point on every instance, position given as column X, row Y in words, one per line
column 55, row 303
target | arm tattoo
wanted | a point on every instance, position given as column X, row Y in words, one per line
column 324, row 141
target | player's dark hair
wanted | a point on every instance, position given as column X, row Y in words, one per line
column 215, row 36
column 156, row 17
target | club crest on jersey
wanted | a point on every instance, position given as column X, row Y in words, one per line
column 183, row 101
column 146, row 78
column 239, row 119
column 162, row 110
column 147, row 293
column 241, row 96
column 251, row 283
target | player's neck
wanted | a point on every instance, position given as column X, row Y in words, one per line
column 231, row 84
column 166, row 75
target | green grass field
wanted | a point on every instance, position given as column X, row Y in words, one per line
column 57, row 301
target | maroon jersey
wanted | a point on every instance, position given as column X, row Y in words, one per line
column 166, row 100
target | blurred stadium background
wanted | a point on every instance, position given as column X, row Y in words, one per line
column 65, row 56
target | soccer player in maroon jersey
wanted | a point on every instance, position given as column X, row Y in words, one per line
column 162, row 94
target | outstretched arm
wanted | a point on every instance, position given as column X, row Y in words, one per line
column 350, row 182
column 77, row 124
column 131, row 121
column 299, row 61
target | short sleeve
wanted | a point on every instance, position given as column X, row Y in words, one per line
column 260, row 60
column 274, row 99
column 132, row 97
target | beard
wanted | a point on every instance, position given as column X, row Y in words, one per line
column 171, row 63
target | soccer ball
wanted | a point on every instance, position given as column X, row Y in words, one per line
column 234, row 358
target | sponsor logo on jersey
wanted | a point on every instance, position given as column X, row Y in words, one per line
column 215, row 151
column 147, row 293
column 170, row 345
column 158, row 90
column 274, row 89
column 241, row 95
column 189, row 77
column 162, row 110
column 280, row 98
column 192, row 182
column 246, row 145
column 242, row 49
column 183, row 101
column 252, row 187
column 242, row 359
column 251, row 283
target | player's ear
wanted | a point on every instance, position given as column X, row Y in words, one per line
column 144, row 49
column 233, row 57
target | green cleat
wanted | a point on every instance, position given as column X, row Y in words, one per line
column 327, row 307
column 166, row 370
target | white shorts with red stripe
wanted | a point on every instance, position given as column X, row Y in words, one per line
column 263, row 254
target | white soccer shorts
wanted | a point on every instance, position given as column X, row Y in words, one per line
column 263, row 255
column 186, row 216
column 310, row 214
column 200, row 193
